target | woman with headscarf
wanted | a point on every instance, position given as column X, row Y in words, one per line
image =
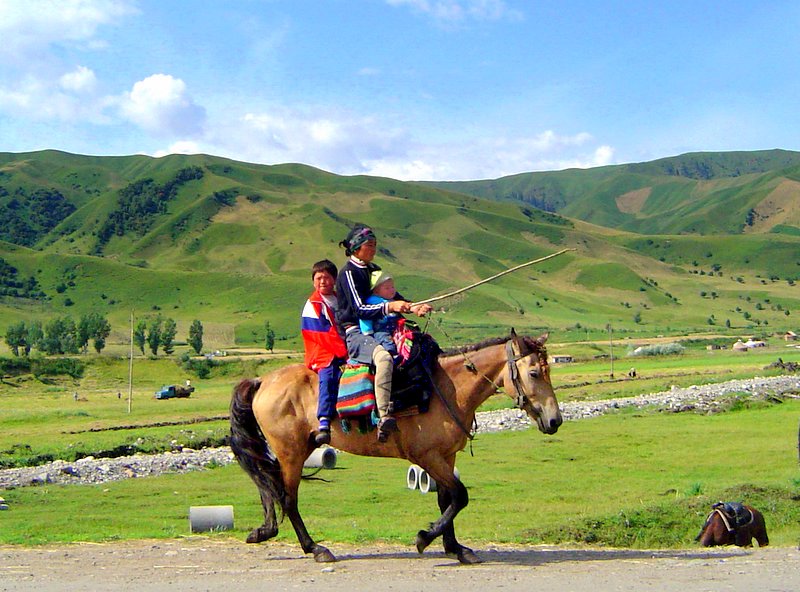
column 353, row 288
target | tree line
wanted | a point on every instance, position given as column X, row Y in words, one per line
column 62, row 335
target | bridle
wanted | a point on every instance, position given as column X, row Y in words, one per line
column 512, row 358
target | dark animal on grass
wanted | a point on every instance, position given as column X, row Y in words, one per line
column 273, row 422
column 731, row 523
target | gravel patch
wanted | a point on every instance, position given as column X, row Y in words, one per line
column 706, row 398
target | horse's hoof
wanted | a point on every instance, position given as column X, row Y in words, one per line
column 323, row 555
column 465, row 556
column 261, row 534
column 423, row 540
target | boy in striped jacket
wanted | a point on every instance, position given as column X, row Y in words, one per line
column 325, row 349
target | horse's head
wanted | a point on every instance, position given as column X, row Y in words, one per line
column 528, row 377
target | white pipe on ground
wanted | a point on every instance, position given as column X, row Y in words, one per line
column 412, row 476
column 321, row 458
column 426, row 484
column 205, row 518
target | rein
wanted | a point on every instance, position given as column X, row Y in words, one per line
column 511, row 360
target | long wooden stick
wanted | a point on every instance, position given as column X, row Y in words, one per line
column 494, row 277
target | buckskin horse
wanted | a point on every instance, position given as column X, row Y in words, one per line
column 273, row 420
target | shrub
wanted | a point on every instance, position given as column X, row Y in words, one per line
column 658, row 349
column 200, row 367
column 14, row 366
column 57, row 367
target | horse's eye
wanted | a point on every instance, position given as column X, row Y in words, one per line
column 533, row 373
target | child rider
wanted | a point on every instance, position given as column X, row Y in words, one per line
column 382, row 329
column 325, row 350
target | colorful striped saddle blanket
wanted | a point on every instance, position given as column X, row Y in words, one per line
column 356, row 391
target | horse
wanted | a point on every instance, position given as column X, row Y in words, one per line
column 273, row 420
column 724, row 527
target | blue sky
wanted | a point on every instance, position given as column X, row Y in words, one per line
column 409, row 89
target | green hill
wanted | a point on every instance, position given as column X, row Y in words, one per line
column 231, row 243
column 699, row 193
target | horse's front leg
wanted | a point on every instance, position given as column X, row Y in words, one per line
column 292, row 485
column 452, row 547
column 452, row 500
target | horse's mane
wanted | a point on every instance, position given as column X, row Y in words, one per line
column 530, row 343
column 465, row 349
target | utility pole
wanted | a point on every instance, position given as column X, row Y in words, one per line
column 130, row 370
column 610, row 330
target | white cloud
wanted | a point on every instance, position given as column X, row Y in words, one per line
column 35, row 80
column 181, row 147
column 32, row 26
column 80, row 80
column 161, row 105
column 37, row 99
column 347, row 144
column 455, row 11
column 337, row 142
column 490, row 158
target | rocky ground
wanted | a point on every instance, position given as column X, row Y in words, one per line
column 200, row 563
column 706, row 398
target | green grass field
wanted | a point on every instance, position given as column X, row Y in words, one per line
column 632, row 479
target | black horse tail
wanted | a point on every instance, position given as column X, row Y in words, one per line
column 251, row 448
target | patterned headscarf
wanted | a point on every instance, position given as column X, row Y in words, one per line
column 357, row 237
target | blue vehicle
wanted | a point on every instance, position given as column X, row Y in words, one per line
column 174, row 391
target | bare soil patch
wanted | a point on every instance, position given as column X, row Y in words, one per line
column 215, row 563
column 633, row 201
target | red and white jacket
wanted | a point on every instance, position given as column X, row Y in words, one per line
column 320, row 336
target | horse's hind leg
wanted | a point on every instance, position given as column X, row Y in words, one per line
column 270, row 527
column 291, row 477
column 452, row 547
column 760, row 529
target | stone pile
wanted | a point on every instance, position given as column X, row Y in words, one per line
column 99, row 470
column 706, row 398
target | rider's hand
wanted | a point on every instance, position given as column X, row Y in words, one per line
column 399, row 306
column 421, row 309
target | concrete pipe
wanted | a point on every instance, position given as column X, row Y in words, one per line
column 412, row 477
column 321, row 458
column 426, row 484
column 206, row 518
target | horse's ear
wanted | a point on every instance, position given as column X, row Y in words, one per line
column 513, row 334
column 542, row 338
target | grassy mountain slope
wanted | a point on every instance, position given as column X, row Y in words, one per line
column 230, row 243
column 699, row 193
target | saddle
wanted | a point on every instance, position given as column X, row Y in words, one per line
column 734, row 514
column 412, row 382
column 412, row 379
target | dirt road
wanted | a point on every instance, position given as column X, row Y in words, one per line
column 216, row 564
